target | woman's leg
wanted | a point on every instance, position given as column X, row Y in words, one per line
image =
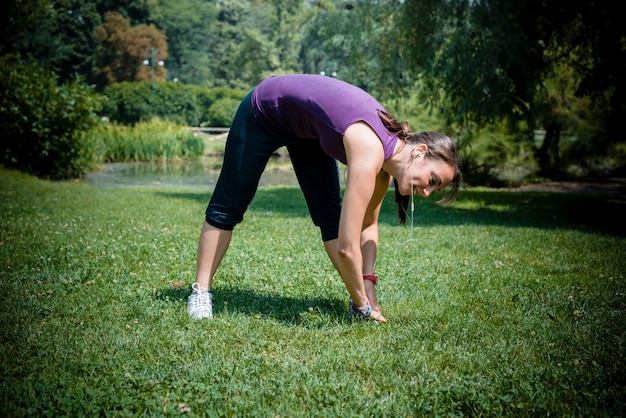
column 212, row 247
column 248, row 148
column 318, row 177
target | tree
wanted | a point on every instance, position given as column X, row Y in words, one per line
column 255, row 58
column 590, row 39
column 474, row 58
column 187, row 26
column 337, row 43
column 356, row 42
column 284, row 28
column 125, row 48
column 223, row 43
column 17, row 18
column 59, row 35
column 137, row 11
column 483, row 61
column 75, row 21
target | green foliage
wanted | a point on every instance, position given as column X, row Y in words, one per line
column 358, row 45
column 73, row 44
column 147, row 141
column 492, row 311
column 255, row 58
column 482, row 62
column 43, row 123
column 462, row 52
column 494, row 157
column 16, row 18
column 130, row 103
column 187, row 25
column 208, row 96
column 222, row 112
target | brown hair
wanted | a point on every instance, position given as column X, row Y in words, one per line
column 440, row 148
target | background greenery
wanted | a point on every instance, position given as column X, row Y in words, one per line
column 537, row 84
column 507, row 303
column 42, row 123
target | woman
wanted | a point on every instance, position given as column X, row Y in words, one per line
column 320, row 120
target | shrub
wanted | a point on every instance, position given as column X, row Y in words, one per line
column 208, row 96
column 133, row 102
column 42, row 123
column 222, row 112
column 494, row 156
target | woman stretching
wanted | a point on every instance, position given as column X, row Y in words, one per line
column 320, row 120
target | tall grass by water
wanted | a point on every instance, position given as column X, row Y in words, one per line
column 157, row 140
column 504, row 304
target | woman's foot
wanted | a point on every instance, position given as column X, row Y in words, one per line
column 200, row 303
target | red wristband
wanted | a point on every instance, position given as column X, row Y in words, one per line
column 371, row 277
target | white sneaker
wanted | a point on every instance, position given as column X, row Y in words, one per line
column 199, row 303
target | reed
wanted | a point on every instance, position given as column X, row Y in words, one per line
column 156, row 140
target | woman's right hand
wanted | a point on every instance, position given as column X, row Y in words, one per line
column 370, row 291
column 377, row 315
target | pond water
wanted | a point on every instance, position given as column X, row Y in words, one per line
column 188, row 174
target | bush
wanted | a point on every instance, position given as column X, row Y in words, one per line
column 494, row 156
column 208, row 96
column 133, row 102
column 222, row 112
column 42, row 123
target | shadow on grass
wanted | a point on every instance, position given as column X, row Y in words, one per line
column 290, row 310
column 546, row 210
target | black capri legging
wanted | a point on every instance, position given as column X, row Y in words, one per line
column 249, row 146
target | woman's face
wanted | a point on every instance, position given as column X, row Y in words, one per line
column 424, row 176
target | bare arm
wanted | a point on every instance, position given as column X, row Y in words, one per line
column 369, row 237
column 365, row 157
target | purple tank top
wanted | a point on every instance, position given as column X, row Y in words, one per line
column 317, row 107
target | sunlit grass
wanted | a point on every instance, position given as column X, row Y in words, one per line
column 506, row 303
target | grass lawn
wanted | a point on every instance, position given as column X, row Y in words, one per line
column 504, row 304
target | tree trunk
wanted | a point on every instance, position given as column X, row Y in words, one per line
column 548, row 155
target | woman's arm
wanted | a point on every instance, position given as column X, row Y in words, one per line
column 369, row 235
column 365, row 157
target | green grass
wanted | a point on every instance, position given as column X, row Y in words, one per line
column 505, row 304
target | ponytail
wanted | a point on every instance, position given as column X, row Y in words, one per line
column 394, row 126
